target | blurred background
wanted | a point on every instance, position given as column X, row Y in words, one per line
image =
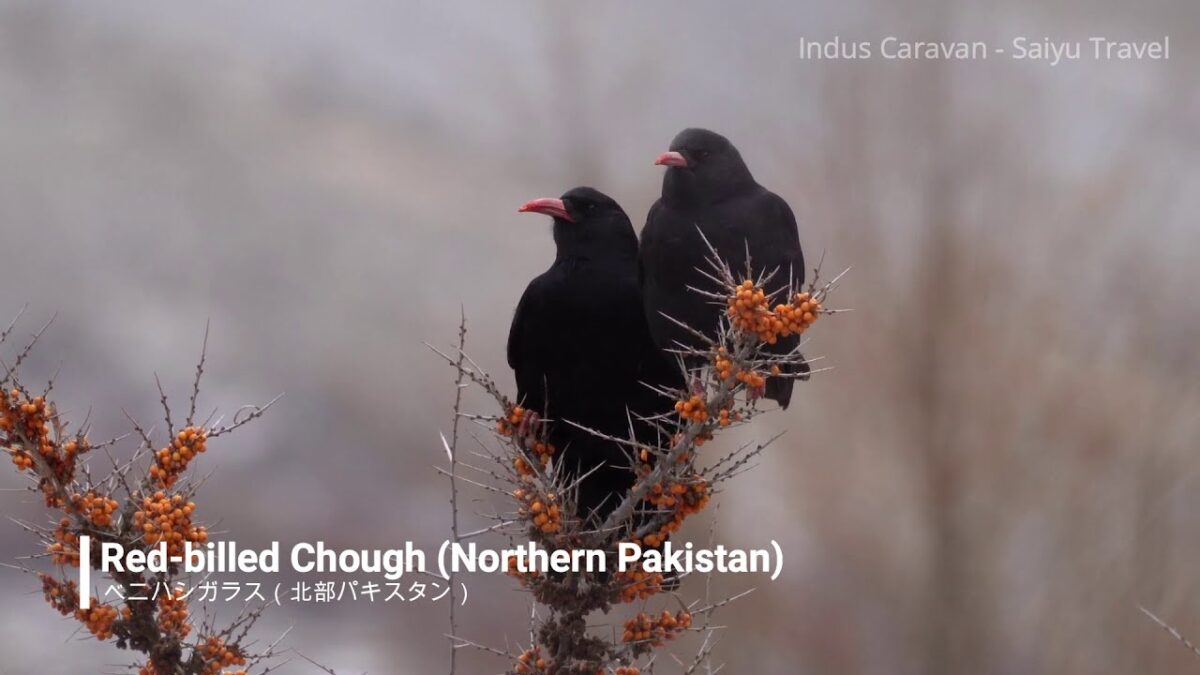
column 1000, row 469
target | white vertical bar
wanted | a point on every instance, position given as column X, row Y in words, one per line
column 85, row 571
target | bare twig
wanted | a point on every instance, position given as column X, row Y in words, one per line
column 1171, row 629
column 452, row 454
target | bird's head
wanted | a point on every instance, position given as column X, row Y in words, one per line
column 587, row 223
column 703, row 167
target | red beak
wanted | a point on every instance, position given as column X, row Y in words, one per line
column 548, row 206
column 671, row 158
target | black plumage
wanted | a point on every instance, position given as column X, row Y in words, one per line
column 580, row 346
column 707, row 187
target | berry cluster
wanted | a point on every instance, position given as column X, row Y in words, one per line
column 542, row 511
column 522, row 425
column 173, row 614
column 692, row 409
column 217, row 655
column 97, row 509
column 173, row 460
column 681, row 499
column 637, row 584
column 752, row 379
column 726, row 369
column 25, row 424
column 511, row 423
column 513, row 570
column 656, row 630
column 685, row 497
column 168, row 519
column 28, row 418
column 22, row 460
column 750, row 310
column 726, row 417
column 98, row 618
column 799, row 314
column 723, row 364
column 543, row 450
column 63, row 596
column 540, row 449
column 65, row 548
column 531, row 661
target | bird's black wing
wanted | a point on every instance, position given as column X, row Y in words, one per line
column 648, row 241
column 671, row 252
column 780, row 238
column 516, row 330
column 779, row 245
column 524, row 347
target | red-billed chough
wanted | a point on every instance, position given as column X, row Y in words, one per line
column 581, row 350
column 708, row 188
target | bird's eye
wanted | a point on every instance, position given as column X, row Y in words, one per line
column 701, row 154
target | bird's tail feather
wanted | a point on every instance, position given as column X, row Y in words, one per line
column 779, row 389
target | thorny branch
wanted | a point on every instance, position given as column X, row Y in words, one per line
column 452, row 454
column 144, row 502
column 671, row 483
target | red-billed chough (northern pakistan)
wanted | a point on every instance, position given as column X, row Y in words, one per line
column 581, row 350
column 708, row 188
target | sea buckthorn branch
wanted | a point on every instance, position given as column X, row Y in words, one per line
column 738, row 362
column 726, row 379
column 142, row 502
column 703, row 656
column 544, row 497
column 452, row 454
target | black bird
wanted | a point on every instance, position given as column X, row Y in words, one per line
column 708, row 186
column 580, row 347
